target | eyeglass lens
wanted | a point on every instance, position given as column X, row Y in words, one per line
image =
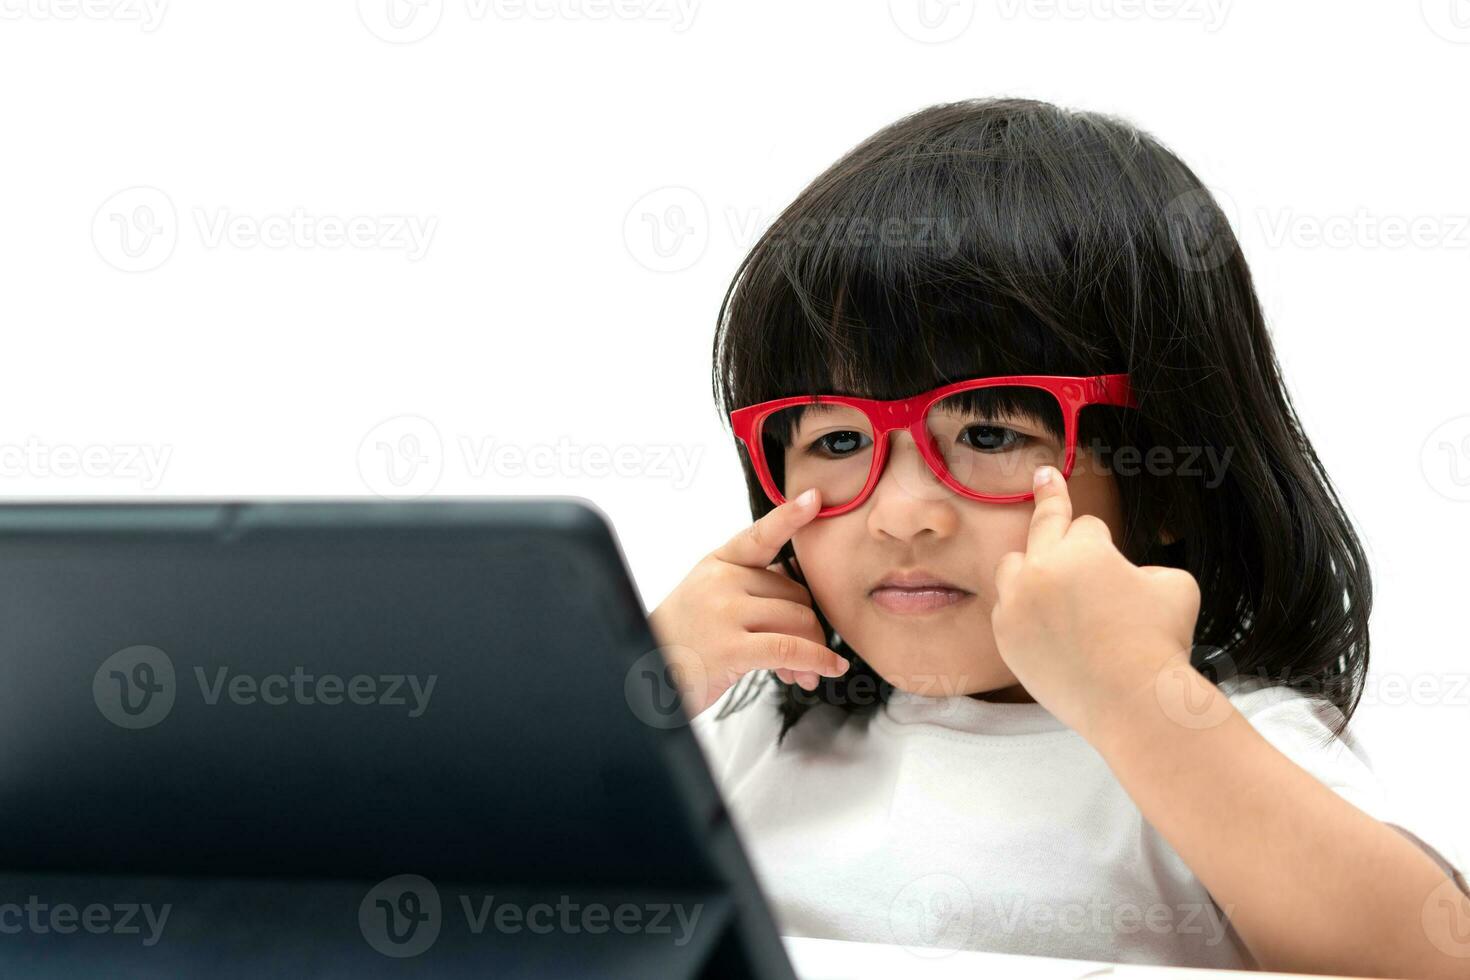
column 991, row 440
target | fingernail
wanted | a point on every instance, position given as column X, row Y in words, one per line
column 806, row 498
column 1042, row 476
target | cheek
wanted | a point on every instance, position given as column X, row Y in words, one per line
column 1000, row 535
column 1101, row 503
column 820, row 552
column 1094, row 491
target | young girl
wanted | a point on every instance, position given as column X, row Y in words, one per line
column 1058, row 653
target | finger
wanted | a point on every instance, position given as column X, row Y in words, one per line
column 761, row 615
column 774, row 585
column 759, row 543
column 773, row 651
column 1053, row 513
column 1180, row 580
column 803, row 679
column 1091, row 526
column 779, row 567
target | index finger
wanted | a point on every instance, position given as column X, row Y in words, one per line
column 1053, row 513
column 759, row 543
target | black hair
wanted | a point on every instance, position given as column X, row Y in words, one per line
column 1012, row 236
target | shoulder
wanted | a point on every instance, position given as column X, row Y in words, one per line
column 1300, row 726
column 740, row 726
column 1288, row 713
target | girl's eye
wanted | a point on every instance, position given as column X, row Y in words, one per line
column 992, row 438
column 838, row 444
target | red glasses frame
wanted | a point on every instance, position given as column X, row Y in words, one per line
column 1072, row 394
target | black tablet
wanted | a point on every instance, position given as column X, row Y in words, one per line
column 350, row 738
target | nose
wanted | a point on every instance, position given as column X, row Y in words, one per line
column 909, row 499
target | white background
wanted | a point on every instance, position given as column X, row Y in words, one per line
column 584, row 178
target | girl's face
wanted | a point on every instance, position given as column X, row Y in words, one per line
column 912, row 522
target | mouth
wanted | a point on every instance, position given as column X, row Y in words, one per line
column 917, row 592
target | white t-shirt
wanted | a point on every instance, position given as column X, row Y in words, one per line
column 951, row 823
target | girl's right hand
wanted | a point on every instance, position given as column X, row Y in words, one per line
column 735, row 613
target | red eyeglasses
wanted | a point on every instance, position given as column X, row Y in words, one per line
column 983, row 438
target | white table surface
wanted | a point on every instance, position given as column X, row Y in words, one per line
column 835, row 959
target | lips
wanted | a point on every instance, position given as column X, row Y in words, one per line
column 916, row 591
column 915, row 579
column 907, row 601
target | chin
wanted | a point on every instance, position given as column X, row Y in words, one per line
column 943, row 680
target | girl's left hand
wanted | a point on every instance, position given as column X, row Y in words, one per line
column 1086, row 631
